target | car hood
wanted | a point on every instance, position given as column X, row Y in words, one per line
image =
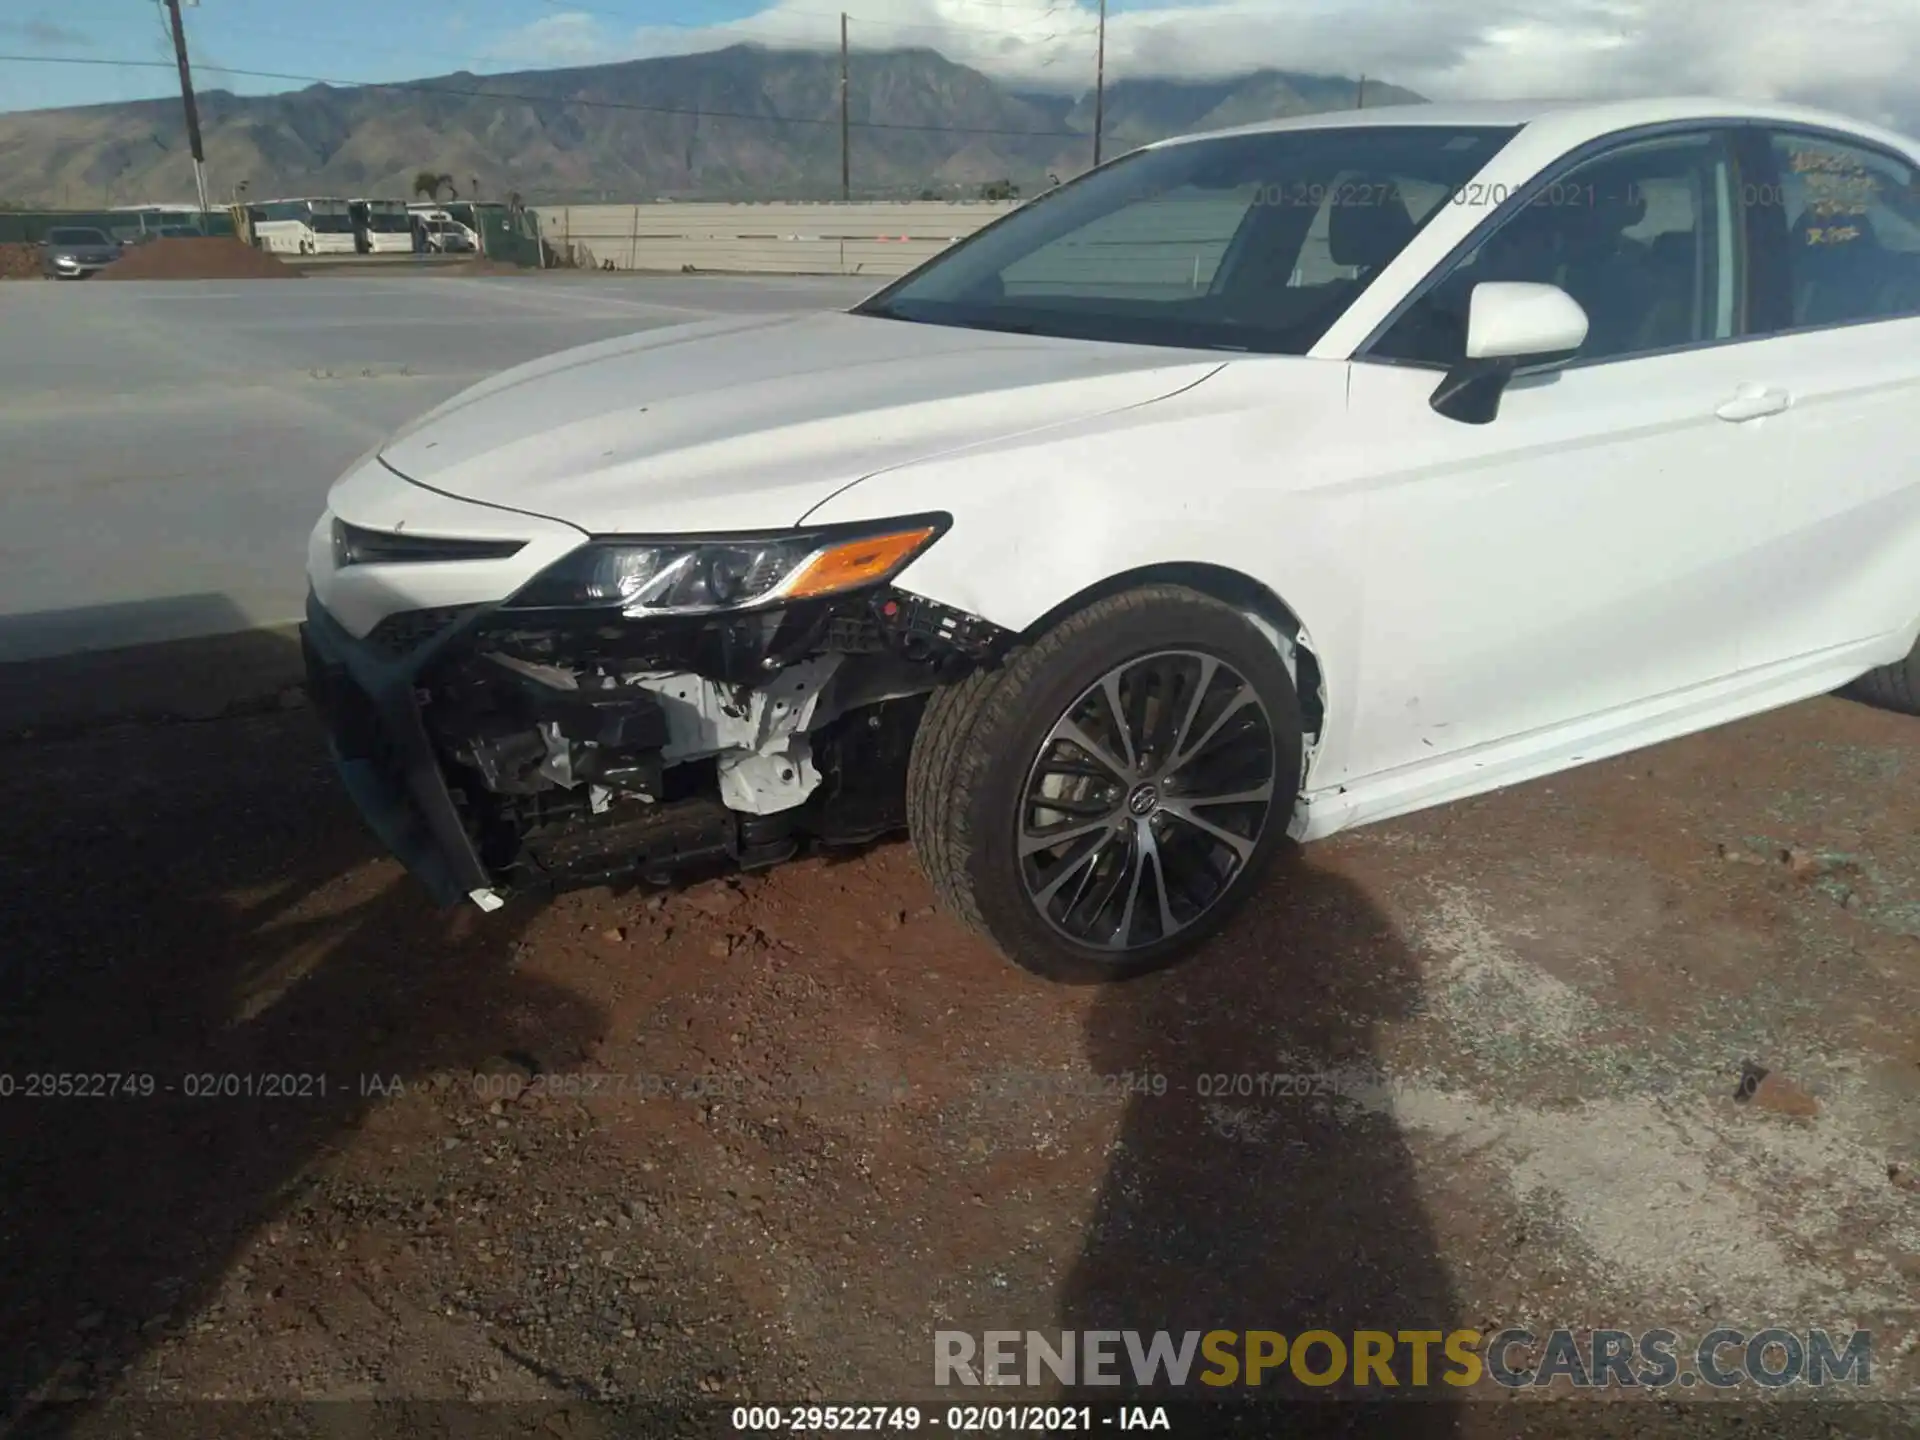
column 88, row 253
column 747, row 423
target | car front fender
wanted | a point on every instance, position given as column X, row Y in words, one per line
column 1196, row 484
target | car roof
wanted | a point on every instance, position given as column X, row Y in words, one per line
column 1570, row 122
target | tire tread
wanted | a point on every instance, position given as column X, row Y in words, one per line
column 959, row 739
column 935, row 783
column 1895, row 686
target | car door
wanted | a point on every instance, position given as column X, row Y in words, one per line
column 1592, row 547
column 1835, row 237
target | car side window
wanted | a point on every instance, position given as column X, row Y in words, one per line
column 1640, row 236
column 1851, row 221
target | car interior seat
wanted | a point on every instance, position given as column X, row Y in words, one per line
column 1675, row 310
column 1842, row 272
column 1614, row 276
column 1370, row 228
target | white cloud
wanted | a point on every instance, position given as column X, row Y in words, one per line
column 1861, row 56
column 567, row 37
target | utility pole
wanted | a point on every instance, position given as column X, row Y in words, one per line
column 186, row 98
column 1100, row 84
column 1360, row 95
column 846, row 162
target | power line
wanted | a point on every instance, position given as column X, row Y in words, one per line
column 424, row 88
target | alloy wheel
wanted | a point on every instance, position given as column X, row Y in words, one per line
column 1146, row 800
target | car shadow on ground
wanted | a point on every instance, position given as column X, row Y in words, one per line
column 208, row 960
column 1248, row 1197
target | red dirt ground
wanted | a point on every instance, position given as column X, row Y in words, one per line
column 757, row 1138
column 212, row 258
column 19, row 262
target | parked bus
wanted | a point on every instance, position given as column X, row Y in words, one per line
column 303, row 227
column 381, row 227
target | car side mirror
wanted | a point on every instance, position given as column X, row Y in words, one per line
column 1509, row 324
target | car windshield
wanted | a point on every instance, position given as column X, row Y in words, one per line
column 1241, row 242
column 76, row 237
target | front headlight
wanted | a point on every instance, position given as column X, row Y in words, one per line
column 692, row 577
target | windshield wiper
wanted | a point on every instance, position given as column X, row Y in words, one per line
column 888, row 312
column 1008, row 327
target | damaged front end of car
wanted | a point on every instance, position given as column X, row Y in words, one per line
column 644, row 707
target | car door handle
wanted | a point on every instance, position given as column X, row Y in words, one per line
column 1750, row 402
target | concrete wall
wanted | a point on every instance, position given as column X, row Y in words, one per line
column 878, row 239
column 1155, row 249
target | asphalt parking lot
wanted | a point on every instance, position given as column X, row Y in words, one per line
column 758, row 1139
column 166, row 446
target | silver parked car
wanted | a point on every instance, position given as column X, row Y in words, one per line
column 448, row 237
column 70, row 252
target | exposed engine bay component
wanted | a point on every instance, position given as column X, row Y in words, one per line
column 575, row 748
column 570, row 847
column 528, row 727
column 560, row 837
column 863, row 768
column 924, row 629
column 705, row 717
column 619, row 732
column 764, row 784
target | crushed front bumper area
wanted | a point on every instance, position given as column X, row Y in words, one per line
column 365, row 699
column 494, row 752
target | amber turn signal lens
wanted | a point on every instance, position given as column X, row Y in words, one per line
column 855, row 562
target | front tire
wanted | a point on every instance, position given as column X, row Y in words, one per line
column 1895, row 686
column 1105, row 801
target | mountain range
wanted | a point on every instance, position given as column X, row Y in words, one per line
column 743, row 122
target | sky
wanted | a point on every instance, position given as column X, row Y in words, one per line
column 1858, row 56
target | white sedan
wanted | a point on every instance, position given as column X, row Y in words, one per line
column 1256, row 484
